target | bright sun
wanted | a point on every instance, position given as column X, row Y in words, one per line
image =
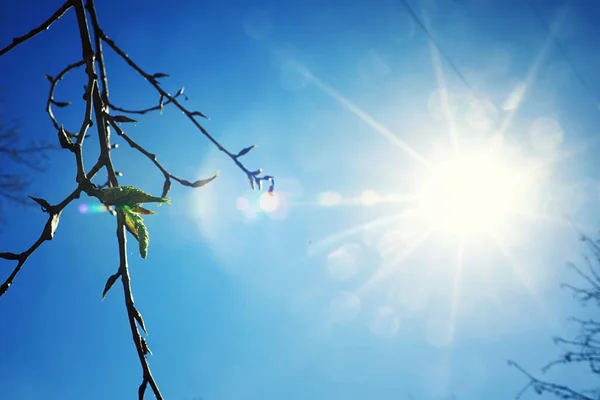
column 472, row 193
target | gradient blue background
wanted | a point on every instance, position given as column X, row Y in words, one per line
column 254, row 306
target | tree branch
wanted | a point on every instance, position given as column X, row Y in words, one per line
column 158, row 107
column 102, row 117
column 252, row 175
column 585, row 348
column 97, row 109
column 46, row 234
column 152, row 157
column 53, row 83
column 45, row 25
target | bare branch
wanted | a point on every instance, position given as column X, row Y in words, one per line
column 53, row 83
column 46, row 234
column 158, row 107
column 140, row 342
column 152, row 157
column 45, row 25
column 190, row 114
column 583, row 349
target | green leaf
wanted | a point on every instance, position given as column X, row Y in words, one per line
column 141, row 210
column 128, row 195
column 135, row 225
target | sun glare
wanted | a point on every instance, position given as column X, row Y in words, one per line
column 471, row 193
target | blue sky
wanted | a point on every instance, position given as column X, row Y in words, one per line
column 244, row 303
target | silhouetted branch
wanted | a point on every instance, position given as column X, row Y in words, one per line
column 45, row 25
column 46, row 234
column 585, row 347
column 152, row 157
column 91, row 8
column 53, row 83
column 153, row 80
column 103, row 128
column 158, row 107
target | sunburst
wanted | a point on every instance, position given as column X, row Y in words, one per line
column 472, row 190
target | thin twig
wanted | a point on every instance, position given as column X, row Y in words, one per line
column 585, row 348
column 91, row 7
column 152, row 157
column 143, row 111
column 140, row 345
column 102, row 125
column 46, row 234
column 45, row 25
column 252, row 175
column 53, row 83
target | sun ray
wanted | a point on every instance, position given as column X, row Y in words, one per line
column 439, row 74
column 563, row 223
column 577, row 227
column 332, row 239
column 533, row 71
column 381, row 129
column 565, row 155
column 389, row 267
column 543, row 217
column 522, row 279
column 457, row 282
column 367, row 198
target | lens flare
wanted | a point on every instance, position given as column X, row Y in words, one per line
column 92, row 208
column 269, row 202
column 330, row 199
column 369, row 197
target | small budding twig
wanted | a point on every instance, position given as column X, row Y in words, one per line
column 152, row 157
column 158, row 107
column 152, row 79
